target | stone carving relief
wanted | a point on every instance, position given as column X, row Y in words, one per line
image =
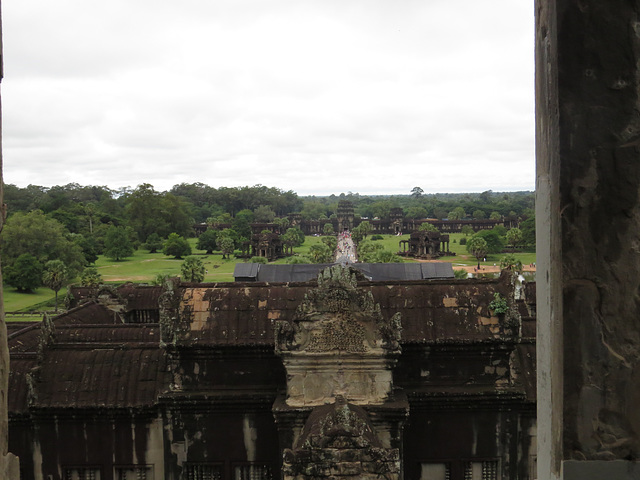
column 339, row 441
column 338, row 343
column 338, row 317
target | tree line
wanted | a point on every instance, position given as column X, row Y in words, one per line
column 73, row 224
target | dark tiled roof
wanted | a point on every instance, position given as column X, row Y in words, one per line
column 137, row 297
column 94, row 361
column 23, row 336
column 372, row 271
column 87, row 364
column 140, row 297
column 18, row 391
column 108, row 334
column 237, row 314
column 117, row 376
column 434, row 311
column 87, row 314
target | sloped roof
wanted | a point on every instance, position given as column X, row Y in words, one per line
column 372, row 271
column 87, row 314
column 137, row 297
column 23, row 336
column 245, row 313
column 19, row 366
column 92, row 361
column 119, row 375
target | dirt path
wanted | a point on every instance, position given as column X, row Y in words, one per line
column 346, row 250
column 484, row 267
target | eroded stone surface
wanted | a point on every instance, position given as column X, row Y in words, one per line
column 339, row 441
column 338, row 343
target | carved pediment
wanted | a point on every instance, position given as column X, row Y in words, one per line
column 339, row 440
column 337, row 316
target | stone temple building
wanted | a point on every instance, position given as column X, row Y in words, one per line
column 337, row 377
column 588, row 272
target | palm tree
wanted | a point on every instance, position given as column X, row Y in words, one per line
column 55, row 275
column 477, row 246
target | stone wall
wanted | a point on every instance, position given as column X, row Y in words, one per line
column 588, row 213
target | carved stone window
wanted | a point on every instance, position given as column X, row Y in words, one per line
column 82, row 473
column 203, row 471
column 134, row 472
column 253, row 471
column 486, row 470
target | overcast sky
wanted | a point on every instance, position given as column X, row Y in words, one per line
column 315, row 96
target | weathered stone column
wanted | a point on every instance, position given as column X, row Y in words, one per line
column 588, row 245
column 341, row 417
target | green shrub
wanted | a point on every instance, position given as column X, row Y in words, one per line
column 499, row 304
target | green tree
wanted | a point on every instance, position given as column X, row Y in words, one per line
column 90, row 212
column 477, row 246
column 331, row 242
column 320, row 253
column 90, row 277
column 143, row 211
column 365, row 228
column 328, row 229
column 291, row 239
column 242, row 223
column 514, row 237
column 117, row 244
column 457, row 213
column 460, row 274
column 153, row 243
column 25, row 273
column 356, row 236
column 54, row 276
column 89, row 247
column 381, row 209
column 439, row 213
column 231, row 233
column 495, row 216
column 44, row 238
column 192, row 269
column 367, row 251
column 261, row 260
column 313, row 210
column 417, row 192
column 386, row 256
column 282, row 223
column 149, row 211
column 264, row 214
column 478, row 214
column 225, row 245
column 528, row 228
column 427, row 227
column 297, row 235
column 510, row 262
column 417, row 212
column 302, row 259
column 176, row 246
column 495, row 243
column 207, row 241
column 467, row 230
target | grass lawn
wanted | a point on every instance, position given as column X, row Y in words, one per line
column 43, row 299
column 144, row 267
column 463, row 257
